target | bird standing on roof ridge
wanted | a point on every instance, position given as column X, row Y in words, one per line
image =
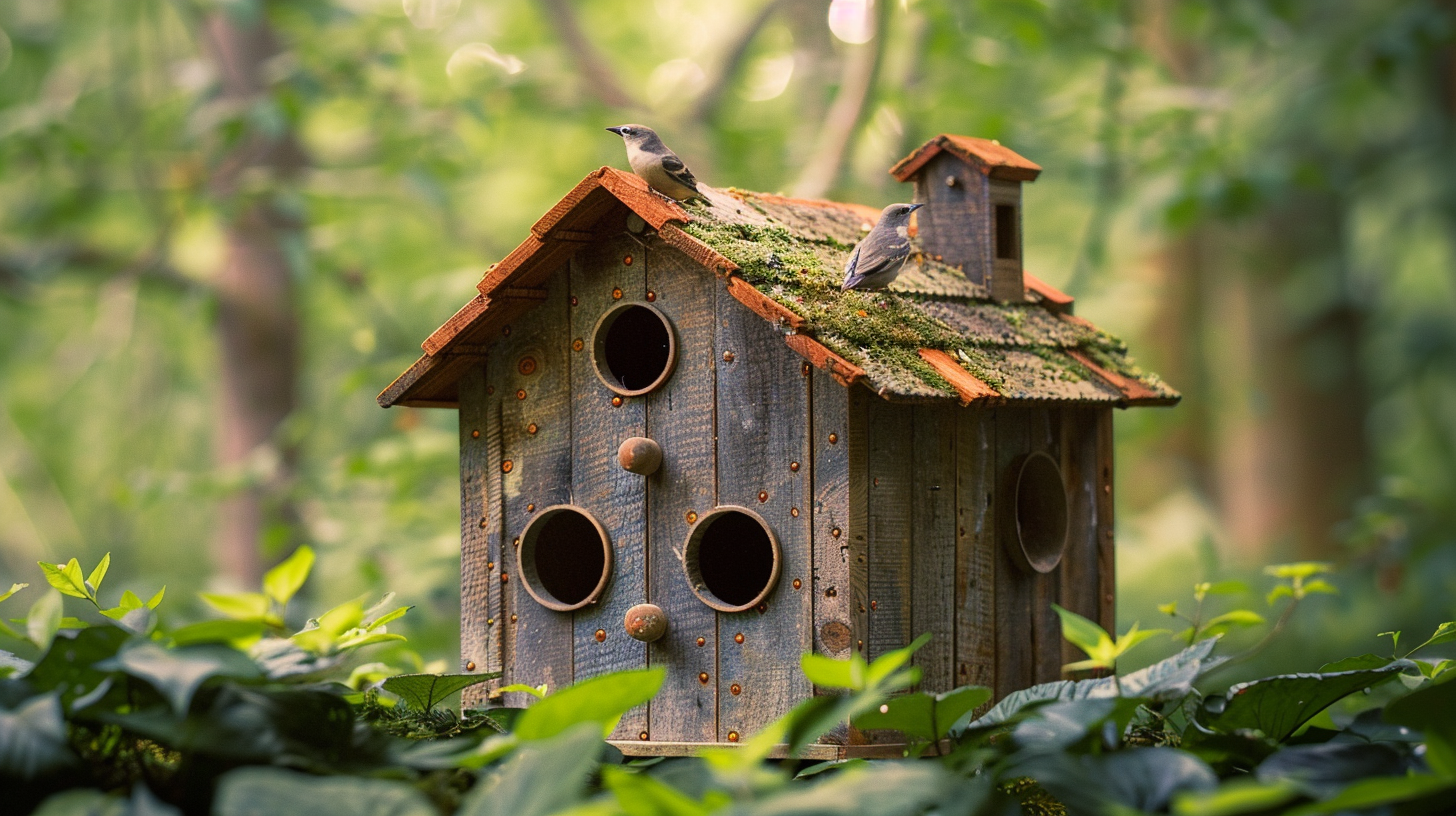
column 655, row 164
column 878, row 259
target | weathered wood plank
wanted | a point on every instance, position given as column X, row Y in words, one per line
column 829, row 473
column 1079, row 580
column 1046, row 425
column 763, row 428
column 598, row 483
column 534, row 394
column 891, row 486
column 859, row 524
column 976, row 544
column 1106, row 550
column 1015, row 658
column 933, row 522
column 479, row 645
column 680, row 418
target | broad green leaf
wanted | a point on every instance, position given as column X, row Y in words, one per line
column 1228, row 620
column 248, row 606
column 638, row 793
column 14, row 588
column 1430, row 709
column 1322, row 769
column 1277, row 706
column 33, row 738
column 1140, row 781
column 129, row 600
column 1445, row 633
column 1368, row 794
column 283, row 581
column 1321, row 586
column 1223, row 588
column 323, row 634
column 1166, row 609
column 827, row 672
column 366, row 639
column 44, row 620
column 387, row 618
column 69, row 622
column 601, row 700
column 887, row 664
column 541, row 778
column 539, row 692
column 70, row 665
column 1134, row 636
column 157, row 598
column 925, row 716
column 66, row 578
column 98, row 574
column 178, row 673
column 257, row 791
column 1281, row 591
column 1241, row 795
column 1084, row 634
column 1299, row 570
column 425, row 691
column 236, row 632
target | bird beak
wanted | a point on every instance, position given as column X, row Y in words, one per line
column 616, row 130
column 914, row 207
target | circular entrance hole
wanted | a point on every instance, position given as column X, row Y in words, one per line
column 1041, row 513
column 634, row 348
column 731, row 558
column 565, row 558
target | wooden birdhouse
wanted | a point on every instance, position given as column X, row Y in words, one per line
column 682, row 445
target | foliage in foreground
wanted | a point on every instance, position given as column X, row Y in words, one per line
column 115, row 715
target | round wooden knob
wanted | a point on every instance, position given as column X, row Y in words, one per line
column 640, row 455
column 646, row 622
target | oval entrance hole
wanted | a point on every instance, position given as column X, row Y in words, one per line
column 634, row 348
column 732, row 559
column 565, row 559
column 1041, row 513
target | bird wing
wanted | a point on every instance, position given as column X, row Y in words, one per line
column 679, row 171
column 876, row 254
column 852, row 280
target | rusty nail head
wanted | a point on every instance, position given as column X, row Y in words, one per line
column 577, row 344
column 616, row 294
column 527, row 365
column 482, row 524
column 470, row 666
column 836, row 532
column 834, row 439
column 475, row 434
column 702, row 641
column 798, row 583
column 505, row 578
column 627, row 261
column 692, row 517
column 516, row 542
column 831, row 592
column 874, row 605
column 735, row 689
column 794, row 511
column 876, row 481
column 642, row 736
column 763, row 495
column 513, row 618
column 727, row 356
column 861, row 645
column 762, row 608
column 703, row 678
column 794, row 466
column 489, row 565
column 738, row 638
column 601, row 635
column 520, row 393
column 490, row 621
column 506, row 331
column 651, row 296
column 490, row 389
column 804, row 369
column 950, row 181
column 732, row 736
column 616, row 402
column 573, row 300
column 507, row 465
column 532, row 429
column 530, row 508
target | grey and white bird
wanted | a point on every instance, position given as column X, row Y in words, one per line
column 656, row 164
column 879, row 257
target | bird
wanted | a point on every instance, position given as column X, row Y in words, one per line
column 656, row 164
column 877, row 260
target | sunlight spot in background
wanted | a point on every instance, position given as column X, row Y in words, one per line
column 767, row 78
column 881, row 145
column 6, row 50
column 850, row 20
column 475, row 61
column 675, row 82
column 430, row 13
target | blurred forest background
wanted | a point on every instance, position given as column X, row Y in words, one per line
column 226, row 225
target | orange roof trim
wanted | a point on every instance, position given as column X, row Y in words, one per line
column 993, row 158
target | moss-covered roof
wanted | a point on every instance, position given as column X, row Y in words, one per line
column 794, row 252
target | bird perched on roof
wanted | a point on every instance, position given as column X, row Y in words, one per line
column 877, row 259
column 656, row 164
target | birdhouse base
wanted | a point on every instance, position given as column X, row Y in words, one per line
column 815, row 751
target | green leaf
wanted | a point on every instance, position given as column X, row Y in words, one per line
column 1229, row 620
column 638, row 793
column 283, row 581
column 236, row 632
column 1321, row 586
column 1299, row 570
column 539, row 692
column 178, row 673
column 44, row 620
column 827, row 672
column 255, row 791
column 925, row 716
column 1166, row 609
column 1141, row 781
column 1277, row 706
column 1225, row 588
column 1281, row 591
column 425, row 691
column 322, row 635
column 1430, row 709
column 1241, row 795
column 69, row 622
column 14, row 588
column 887, row 664
column 248, row 606
column 541, row 778
column 601, row 700
column 1084, row 634
column 156, row 599
column 387, row 618
column 98, row 574
column 1368, row 794
column 67, row 579
column 33, row 738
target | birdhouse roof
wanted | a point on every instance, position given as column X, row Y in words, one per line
column 934, row 335
column 989, row 155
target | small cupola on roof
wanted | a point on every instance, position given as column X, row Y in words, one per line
column 973, row 187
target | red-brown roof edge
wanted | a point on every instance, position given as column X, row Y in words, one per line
column 993, row 158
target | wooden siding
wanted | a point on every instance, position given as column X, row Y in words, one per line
column 480, row 644
column 975, row 573
column 933, row 522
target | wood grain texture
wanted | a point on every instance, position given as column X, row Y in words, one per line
column 859, row 523
column 763, row 427
column 479, row 644
column 598, row 483
column 1106, row 549
column 1046, row 627
column 829, row 476
column 1015, row 644
column 680, row 418
column 891, row 497
column 933, row 522
column 539, row 476
column 956, row 226
column 975, row 574
column 1079, row 578
column 843, row 371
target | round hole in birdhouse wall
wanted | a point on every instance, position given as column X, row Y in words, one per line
column 634, row 348
column 1041, row 513
column 565, row 558
column 732, row 559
